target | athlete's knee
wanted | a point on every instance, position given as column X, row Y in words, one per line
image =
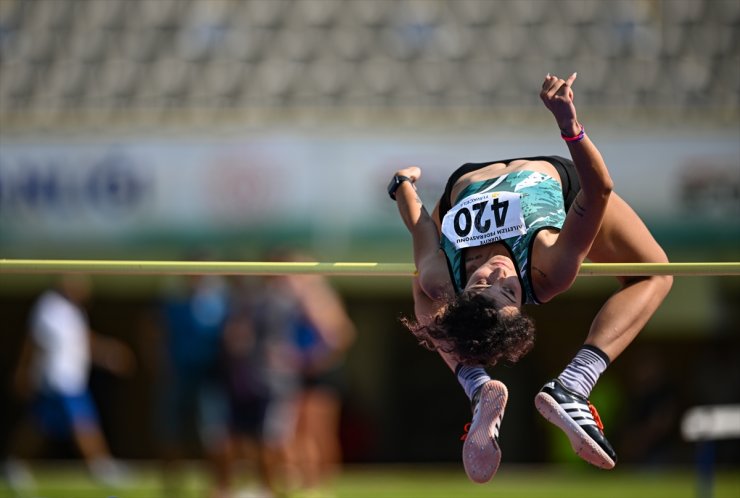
column 663, row 284
column 660, row 285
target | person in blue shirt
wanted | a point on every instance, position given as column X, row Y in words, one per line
column 192, row 397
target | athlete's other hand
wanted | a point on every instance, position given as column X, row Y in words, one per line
column 413, row 172
column 557, row 95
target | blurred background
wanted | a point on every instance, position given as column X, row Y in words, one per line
column 218, row 129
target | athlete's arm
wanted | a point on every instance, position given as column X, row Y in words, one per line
column 433, row 277
column 563, row 258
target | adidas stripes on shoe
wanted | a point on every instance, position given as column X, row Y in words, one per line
column 580, row 421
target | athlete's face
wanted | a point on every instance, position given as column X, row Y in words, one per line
column 497, row 280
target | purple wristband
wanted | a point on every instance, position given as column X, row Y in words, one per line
column 576, row 138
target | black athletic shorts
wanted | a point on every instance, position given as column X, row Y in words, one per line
column 565, row 167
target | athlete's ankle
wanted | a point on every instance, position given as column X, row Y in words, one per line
column 471, row 378
column 582, row 373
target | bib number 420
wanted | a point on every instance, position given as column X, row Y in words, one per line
column 484, row 218
column 464, row 221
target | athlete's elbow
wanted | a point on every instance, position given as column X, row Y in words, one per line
column 607, row 187
column 433, row 288
column 598, row 192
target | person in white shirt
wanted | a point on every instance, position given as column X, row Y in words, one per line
column 54, row 371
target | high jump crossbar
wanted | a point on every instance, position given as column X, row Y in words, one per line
column 378, row 269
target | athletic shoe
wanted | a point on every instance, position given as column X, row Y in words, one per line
column 481, row 454
column 17, row 475
column 580, row 421
column 109, row 472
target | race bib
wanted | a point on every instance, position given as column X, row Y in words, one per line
column 484, row 218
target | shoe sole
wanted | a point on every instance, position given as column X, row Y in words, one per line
column 481, row 454
column 582, row 444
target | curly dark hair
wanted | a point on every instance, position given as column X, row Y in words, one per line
column 476, row 333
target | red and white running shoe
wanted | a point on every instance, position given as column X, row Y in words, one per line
column 481, row 453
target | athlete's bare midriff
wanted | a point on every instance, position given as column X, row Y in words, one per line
column 495, row 170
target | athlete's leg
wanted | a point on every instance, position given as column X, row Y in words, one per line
column 481, row 454
column 564, row 401
column 624, row 238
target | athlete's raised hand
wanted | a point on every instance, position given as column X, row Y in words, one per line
column 557, row 95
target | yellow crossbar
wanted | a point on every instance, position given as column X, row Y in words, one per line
column 115, row 267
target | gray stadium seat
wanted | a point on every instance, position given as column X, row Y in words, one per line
column 474, row 12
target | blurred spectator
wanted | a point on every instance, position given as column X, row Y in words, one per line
column 260, row 367
column 191, row 397
column 53, row 374
column 322, row 332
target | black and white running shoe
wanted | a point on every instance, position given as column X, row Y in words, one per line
column 580, row 421
column 481, row 454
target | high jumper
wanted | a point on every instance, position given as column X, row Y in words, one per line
column 508, row 233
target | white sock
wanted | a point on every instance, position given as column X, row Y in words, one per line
column 471, row 378
column 584, row 370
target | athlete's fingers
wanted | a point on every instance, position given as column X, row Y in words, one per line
column 415, row 173
column 549, row 87
column 556, row 88
column 571, row 79
column 565, row 89
column 550, row 82
column 546, row 83
column 569, row 84
column 412, row 172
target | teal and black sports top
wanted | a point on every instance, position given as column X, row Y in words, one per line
column 510, row 209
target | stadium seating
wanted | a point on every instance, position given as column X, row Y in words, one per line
column 74, row 58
